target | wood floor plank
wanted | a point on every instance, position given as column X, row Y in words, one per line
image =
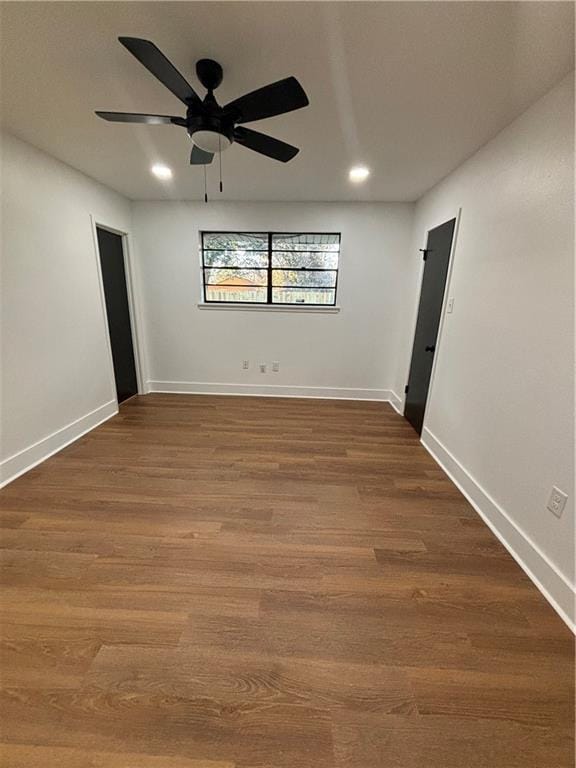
column 153, row 723
column 523, row 698
column 44, row 662
column 234, row 582
column 27, row 755
column 365, row 739
column 111, row 625
column 256, row 680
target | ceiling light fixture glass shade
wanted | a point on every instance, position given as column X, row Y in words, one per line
column 211, row 141
column 161, row 171
column 358, row 174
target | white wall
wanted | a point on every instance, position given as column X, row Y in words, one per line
column 346, row 354
column 501, row 405
column 54, row 353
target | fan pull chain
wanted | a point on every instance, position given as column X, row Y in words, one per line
column 205, row 187
column 220, row 162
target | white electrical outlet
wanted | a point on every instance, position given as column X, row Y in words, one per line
column 450, row 308
column 557, row 501
column 262, row 367
column 245, row 365
column 276, row 366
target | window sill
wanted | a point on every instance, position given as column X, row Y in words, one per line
column 328, row 310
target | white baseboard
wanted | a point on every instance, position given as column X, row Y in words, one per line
column 552, row 584
column 397, row 402
column 24, row 460
column 267, row 390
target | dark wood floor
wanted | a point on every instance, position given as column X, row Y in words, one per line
column 213, row 582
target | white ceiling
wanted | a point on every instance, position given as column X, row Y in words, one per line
column 411, row 89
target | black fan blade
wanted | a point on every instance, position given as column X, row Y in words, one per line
column 200, row 157
column 266, row 145
column 274, row 99
column 155, row 61
column 135, row 117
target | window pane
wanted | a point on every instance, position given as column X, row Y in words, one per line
column 311, row 241
column 236, row 277
column 236, row 259
column 311, row 260
column 290, row 278
column 304, row 267
column 235, row 241
column 236, row 294
column 303, row 296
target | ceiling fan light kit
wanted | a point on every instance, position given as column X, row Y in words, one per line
column 211, row 141
column 211, row 127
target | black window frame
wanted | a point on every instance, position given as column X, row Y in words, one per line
column 270, row 269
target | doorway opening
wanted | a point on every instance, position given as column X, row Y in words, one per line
column 437, row 262
column 111, row 254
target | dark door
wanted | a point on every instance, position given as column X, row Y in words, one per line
column 119, row 328
column 437, row 257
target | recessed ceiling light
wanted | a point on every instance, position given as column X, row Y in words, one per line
column 359, row 173
column 161, row 171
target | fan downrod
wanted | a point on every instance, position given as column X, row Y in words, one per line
column 209, row 73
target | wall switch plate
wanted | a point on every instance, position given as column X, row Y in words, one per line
column 245, row 364
column 276, row 366
column 450, row 307
column 262, row 367
column 557, row 501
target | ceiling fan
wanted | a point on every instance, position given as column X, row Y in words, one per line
column 211, row 127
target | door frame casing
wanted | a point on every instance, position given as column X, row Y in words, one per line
column 457, row 216
column 133, row 307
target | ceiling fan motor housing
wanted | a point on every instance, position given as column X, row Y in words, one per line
column 210, row 132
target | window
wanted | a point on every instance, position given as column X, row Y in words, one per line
column 270, row 267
